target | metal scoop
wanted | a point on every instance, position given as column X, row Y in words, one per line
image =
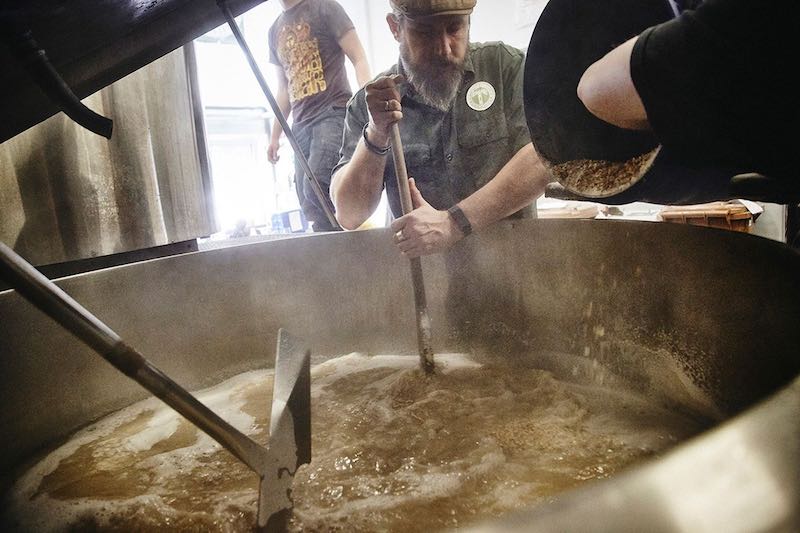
column 290, row 424
column 590, row 158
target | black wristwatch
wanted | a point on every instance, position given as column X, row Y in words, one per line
column 371, row 147
column 460, row 219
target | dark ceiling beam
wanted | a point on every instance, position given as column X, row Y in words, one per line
column 93, row 43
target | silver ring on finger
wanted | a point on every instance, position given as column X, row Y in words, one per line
column 386, row 105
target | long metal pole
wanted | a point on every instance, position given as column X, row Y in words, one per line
column 324, row 201
column 420, row 301
column 57, row 304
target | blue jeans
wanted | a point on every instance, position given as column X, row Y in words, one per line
column 320, row 140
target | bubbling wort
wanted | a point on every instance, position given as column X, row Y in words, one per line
column 393, row 450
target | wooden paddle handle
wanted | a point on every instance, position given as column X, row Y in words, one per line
column 420, row 300
column 401, row 170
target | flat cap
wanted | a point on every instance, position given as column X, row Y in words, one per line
column 428, row 8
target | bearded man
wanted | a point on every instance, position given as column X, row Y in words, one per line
column 460, row 112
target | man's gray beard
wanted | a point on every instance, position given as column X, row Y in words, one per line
column 436, row 84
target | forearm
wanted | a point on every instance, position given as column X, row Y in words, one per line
column 607, row 90
column 356, row 187
column 276, row 132
column 282, row 98
column 351, row 45
column 521, row 181
column 363, row 74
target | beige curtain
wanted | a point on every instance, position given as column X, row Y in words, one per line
column 66, row 193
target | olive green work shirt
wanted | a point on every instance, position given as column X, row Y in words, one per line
column 454, row 153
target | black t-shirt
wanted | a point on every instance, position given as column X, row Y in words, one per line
column 715, row 83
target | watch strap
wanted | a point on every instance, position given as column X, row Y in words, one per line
column 460, row 219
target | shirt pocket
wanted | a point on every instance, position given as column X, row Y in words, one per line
column 482, row 127
column 418, row 161
column 422, row 167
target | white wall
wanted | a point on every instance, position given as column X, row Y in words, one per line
column 225, row 76
column 510, row 21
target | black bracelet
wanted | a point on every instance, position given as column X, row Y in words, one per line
column 460, row 219
column 371, row 147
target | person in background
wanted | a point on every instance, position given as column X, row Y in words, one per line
column 460, row 112
column 714, row 84
column 308, row 43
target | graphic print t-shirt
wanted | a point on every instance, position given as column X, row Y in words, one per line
column 304, row 41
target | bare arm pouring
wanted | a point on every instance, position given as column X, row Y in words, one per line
column 608, row 92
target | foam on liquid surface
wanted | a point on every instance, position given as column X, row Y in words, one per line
column 392, row 450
